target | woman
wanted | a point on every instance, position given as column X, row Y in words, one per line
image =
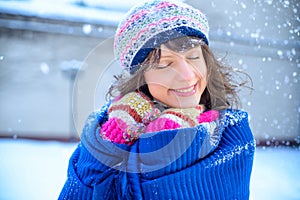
column 170, row 131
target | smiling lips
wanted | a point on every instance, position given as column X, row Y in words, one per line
column 185, row 92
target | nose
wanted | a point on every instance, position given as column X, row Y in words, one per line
column 184, row 69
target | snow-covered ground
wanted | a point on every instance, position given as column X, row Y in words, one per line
column 37, row 170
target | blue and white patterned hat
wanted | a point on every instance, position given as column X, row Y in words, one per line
column 153, row 23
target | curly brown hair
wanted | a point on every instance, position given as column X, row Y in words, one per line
column 223, row 81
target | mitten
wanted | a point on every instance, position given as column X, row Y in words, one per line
column 127, row 117
column 176, row 118
column 208, row 116
column 182, row 118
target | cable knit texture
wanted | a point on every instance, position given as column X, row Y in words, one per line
column 185, row 163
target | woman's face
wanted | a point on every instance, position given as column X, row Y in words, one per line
column 180, row 78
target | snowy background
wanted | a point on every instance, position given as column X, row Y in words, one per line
column 40, row 39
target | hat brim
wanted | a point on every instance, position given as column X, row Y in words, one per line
column 162, row 38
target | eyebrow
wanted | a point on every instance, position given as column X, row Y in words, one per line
column 165, row 53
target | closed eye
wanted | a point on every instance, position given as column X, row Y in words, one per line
column 164, row 65
column 193, row 58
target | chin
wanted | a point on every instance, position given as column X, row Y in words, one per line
column 189, row 104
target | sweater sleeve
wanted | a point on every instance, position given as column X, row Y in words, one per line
column 88, row 178
column 74, row 188
column 96, row 168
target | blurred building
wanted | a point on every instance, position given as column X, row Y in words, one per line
column 43, row 44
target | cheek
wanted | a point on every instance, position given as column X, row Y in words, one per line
column 202, row 72
column 156, row 79
column 157, row 91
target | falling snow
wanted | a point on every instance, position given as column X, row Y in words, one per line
column 263, row 36
column 44, row 68
column 87, row 29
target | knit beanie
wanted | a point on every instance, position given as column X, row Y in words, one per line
column 153, row 23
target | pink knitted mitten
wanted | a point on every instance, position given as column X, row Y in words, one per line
column 128, row 116
column 176, row 118
column 208, row 116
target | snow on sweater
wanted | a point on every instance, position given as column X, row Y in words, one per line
column 185, row 163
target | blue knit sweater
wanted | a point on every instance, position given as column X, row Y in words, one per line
column 190, row 163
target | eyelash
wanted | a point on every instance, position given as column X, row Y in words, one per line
column 164, row 66
column 194, row 58
column 167, row 65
